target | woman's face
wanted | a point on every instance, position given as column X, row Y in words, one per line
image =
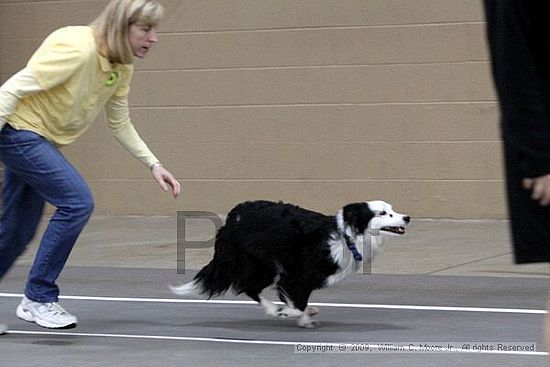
column 141, row 38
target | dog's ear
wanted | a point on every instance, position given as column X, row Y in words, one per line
column 358, row 216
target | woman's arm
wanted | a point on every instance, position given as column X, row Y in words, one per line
column 19, row 85
column 118, row 117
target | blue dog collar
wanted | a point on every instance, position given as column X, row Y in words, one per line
column 356, row 254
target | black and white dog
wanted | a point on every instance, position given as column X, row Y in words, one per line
column 296, row 250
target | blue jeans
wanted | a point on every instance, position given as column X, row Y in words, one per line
column 35, row 173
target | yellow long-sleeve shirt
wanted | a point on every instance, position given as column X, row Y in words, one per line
column 63, row 88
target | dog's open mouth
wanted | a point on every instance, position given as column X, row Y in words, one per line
column 396, row 230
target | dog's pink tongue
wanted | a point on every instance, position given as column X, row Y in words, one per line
column 397, row 230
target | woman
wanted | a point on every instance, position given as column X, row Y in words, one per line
column 76, row 73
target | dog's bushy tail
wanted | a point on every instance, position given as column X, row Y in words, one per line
column 188, row 289
column 217, row 277
column 210, row 281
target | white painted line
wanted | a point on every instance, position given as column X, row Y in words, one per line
column 155, row 337
column 338, row 305
column 253, row 342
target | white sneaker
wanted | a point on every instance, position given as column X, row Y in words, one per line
column 49, row 315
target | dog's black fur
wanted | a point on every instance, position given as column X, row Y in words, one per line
column 265, row 243
column 260, row 238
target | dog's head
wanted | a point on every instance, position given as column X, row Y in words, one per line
column 374, row 218
column 386, row 221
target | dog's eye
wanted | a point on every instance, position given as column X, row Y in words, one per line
column 383, row 213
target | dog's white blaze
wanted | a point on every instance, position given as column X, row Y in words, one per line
column 385, row 217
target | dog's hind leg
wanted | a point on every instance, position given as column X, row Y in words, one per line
column 259, row 278
column 290, row 310
column 270, row 308
column 304, row 317
column 296, row 306
column 287, row 310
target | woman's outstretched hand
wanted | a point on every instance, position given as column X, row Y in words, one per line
column 166, row 180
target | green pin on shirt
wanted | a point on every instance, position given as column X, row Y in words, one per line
column 112, row 78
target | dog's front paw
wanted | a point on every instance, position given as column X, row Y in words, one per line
column 286, row 312
column 306, row 322
column 312, row 311
column 282, row 313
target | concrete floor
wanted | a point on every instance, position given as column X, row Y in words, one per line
column 444, row 282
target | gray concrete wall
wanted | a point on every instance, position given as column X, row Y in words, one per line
column 317, row 102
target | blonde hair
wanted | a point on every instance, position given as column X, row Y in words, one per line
column 113, row 24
